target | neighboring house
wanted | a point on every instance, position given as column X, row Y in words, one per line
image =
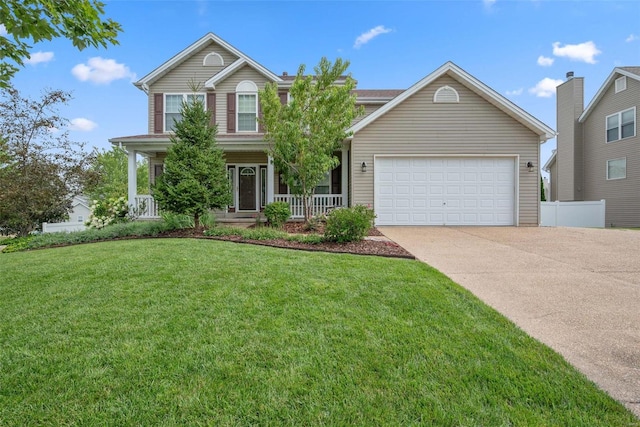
column 79, row 214
column 598, row 148
column 447, row 151
column 552, row 168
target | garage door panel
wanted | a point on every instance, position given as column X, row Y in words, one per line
column 445, row 191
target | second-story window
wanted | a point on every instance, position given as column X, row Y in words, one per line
column 173, row 104
column 247, row 93
column 621, row 125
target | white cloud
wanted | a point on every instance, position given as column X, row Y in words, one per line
column 543, row 61
column 83, row 125
column 584, row 52
column 515, row 92
column 38, row 57
column 365, row 38
column 545, row 88
column 631, row 38
column 101, row 71
column 3, row 30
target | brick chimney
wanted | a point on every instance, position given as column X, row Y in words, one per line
column 569, row 155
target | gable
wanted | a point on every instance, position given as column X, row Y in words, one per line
column 468, row 121
column 464, row 79
column 192, row 68
column 607, row 91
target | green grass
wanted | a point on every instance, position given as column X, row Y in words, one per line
column 201, row 332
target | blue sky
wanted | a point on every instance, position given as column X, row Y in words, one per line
column 521, row 49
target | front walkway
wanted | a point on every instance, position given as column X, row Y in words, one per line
column 576, row 290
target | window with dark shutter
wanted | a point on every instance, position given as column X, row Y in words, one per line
column 231, row 113
column 158, row 113
column 283, row 97
column 211, row 106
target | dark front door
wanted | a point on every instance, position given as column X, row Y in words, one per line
column 247, row 188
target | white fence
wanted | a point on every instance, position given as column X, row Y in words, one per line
column 322, row 203
column 56, row 227
column 572, row 214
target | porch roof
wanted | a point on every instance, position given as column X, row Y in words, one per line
column 154, row 143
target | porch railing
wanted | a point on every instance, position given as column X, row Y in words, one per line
column 321, row 203
column 145, row 207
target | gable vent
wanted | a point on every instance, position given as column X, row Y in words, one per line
column 621, row 84
column 213, row 60
column 446, row 94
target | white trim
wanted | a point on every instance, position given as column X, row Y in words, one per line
column 247, row 86
column 619, row 114
column 213, row 54
column 237, row 64
column 445, row 88
column 621, row 84
column 489, row 94
column 516, row 174
column 625, row 169
column 547, row 166
column 603, row 89
column 182, row 55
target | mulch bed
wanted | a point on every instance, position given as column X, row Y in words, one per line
column 364, row 247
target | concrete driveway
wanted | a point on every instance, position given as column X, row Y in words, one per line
column 575, row 289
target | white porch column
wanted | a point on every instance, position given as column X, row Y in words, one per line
column 345, row 176
column 270, row 180
column 132, row 184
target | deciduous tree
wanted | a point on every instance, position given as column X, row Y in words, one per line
column 304, row 133
column 111, row 168
column 32, row 21
column 195, row 176
column 40, row 168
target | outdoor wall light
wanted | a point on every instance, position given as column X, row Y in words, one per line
column 363, row 166
column 530, row 166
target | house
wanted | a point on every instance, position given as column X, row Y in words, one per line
column 80, row 212
column 597, row 156
column 449, row 150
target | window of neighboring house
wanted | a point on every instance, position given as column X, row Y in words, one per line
column 173, row 103
column 80, row 218
column 621, row 125
column 617, row 168
column 621, row 84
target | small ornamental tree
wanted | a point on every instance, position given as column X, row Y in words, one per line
column 195, row 176
column 110, row 168
column 304, row 133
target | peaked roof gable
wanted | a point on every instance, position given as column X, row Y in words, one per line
column 144, row 82
column 477, row 86
column 551, row 161
column 631, row 72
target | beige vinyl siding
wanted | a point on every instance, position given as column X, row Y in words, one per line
column 569, row 155
column 228, row 85
column 177, row 79
column 368, row 109
column 472, row 126
column 622, row 195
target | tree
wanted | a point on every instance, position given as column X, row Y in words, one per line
column 543, row 197
column 111, row 168
column 40, row 168
column 304, row 133
column 195, row 176
column 80, row 21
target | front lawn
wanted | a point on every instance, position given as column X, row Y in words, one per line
column 201, row 332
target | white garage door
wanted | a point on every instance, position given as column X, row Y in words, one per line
column 444, row 191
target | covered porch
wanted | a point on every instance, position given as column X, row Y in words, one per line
column 254, row 184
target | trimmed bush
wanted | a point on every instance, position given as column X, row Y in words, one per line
column 349, row 224
column 277, row 213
